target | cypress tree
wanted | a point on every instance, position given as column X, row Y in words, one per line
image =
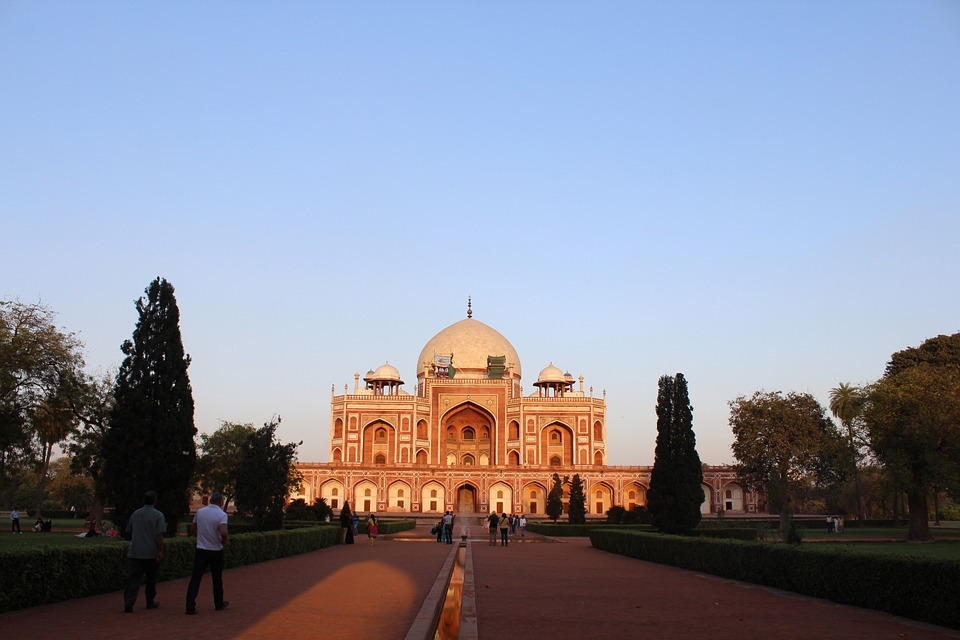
column 150, row 440
column 555, row 499
column 675, row 491
column 578, row 501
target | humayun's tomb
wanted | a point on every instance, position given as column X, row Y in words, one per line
column 468, row 440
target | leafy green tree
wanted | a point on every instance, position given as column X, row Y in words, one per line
column 39, row 363
column 578, row 502
column 149, row 443
column 92, row 405
column 555, row 499
column 941, row 351
column 846, row 404
column 68, row 489
column 675, row 493
column 913, row 416
column 782, row 442
column 267, row 475
column 53, row 422
column 219, row 461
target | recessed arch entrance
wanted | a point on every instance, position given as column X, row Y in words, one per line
column 466, row 499
column 466, row 432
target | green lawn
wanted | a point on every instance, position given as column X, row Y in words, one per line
column 941, row 550
column 64, row 532
column 877, row 533
column 30, row 539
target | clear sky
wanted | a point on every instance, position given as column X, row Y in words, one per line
column 760, row 195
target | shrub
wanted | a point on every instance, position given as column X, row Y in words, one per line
column 922, row 589
column 76, row 572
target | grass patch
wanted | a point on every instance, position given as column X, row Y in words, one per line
column 943, row 550
column 29, row 540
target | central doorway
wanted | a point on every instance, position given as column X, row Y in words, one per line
column 467, row 499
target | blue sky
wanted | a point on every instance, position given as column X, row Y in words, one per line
column 759, row 195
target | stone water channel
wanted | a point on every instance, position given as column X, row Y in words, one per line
column 449, row 612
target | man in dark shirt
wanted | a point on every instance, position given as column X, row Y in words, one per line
column 145, row 528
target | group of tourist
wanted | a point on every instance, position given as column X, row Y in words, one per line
column 41, row 525
column 444, row 528
column 834, row 524
column 146, row 529
column 507, row 525
column 350, row 523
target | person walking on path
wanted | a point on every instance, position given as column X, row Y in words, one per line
column 15, row 521
column 210, row 527
column 346, row 524
column 523, row 525
column 145, row 530
column 372, row 528
column 492, row 521
column 504, row 529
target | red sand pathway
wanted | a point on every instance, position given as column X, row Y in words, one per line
column 537, row 590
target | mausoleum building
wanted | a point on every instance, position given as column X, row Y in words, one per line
column 469, row 438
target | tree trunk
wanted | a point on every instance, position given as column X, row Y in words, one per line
column 918, row 529
column 42, row 478
column 856, row 479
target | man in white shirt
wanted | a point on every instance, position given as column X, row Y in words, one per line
column 210, row 527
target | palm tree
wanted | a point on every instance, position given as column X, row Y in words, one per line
column 846, row 403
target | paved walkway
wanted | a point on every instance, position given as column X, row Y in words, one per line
column 535, row 589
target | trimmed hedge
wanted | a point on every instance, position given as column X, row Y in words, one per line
column 921, row 589
column 40, row 575
column 388, row 526
column 579, row 530
column 730, row 534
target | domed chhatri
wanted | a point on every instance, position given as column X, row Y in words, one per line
column 550, row 373
column 384, row 381
column 470, row 342
column 384, row 373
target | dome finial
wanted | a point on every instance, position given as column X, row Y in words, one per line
column 469, row 307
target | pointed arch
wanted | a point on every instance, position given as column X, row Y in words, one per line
column 432, row 498
column 467, row 427
column 500, row 497
column 398, row 496
column 599, row 498
column 557, row 442
column 332, row 491
column 534, row 498
column 365, row 496
column 634, row 495
column 379, row 437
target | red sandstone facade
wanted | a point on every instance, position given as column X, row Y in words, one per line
column 469, row 440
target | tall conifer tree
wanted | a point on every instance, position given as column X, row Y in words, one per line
column 150, row 441
column 675, row 491
column 555, row 499
column 578, row 501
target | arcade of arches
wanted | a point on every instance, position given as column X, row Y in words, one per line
column 470, row 439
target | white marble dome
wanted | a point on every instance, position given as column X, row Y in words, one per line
column 471, row 342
